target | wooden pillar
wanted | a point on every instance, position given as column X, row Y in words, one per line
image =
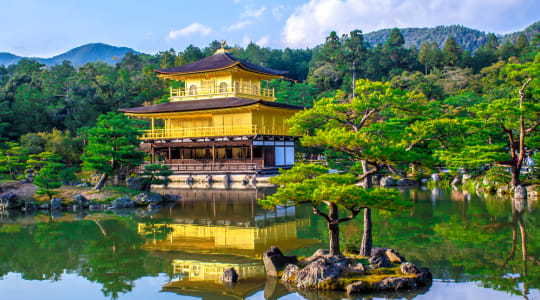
column 213, row 155
column 170, row 158
column 153, row 154
column 251, row 151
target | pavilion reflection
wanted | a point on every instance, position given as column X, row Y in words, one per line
column 210, row 230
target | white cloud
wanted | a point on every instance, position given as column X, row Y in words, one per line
column 239, row 25
column 253, row 13
column 193, row 28
column 310, row 23
column 263, row 42
column 277, row 11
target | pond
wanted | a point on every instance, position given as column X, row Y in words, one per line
column 472, row 243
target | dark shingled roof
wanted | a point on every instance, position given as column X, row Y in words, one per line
column 206, row 104
column 219, row 61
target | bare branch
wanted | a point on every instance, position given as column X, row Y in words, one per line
column 354, row 212
column 320, row 213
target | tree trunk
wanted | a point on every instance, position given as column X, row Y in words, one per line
column 101, row 182
column 367, row 180
column 367, row 242
column 515, row 176
column 333, row 228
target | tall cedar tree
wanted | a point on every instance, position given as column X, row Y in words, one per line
column 452, row 53
column 311, row 184
column 112, row 146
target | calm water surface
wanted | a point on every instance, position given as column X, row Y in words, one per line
column 473, row 244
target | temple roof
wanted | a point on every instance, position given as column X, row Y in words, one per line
column 217, row 62
column 206, row 104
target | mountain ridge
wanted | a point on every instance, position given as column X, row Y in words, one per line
column 468, row 38
column 78, row 56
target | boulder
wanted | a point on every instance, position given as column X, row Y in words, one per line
column 144, row 199
column 408, row 268
column 380, row 261
column 29, row 206
column 289, row 274
column 387, row 181
column 456, row 181
column 81, row 201
column 358, row 287
column 435, row 177
column 229, row 275
column 10, row 200
column 318, row 254
column 424, row 276
column 56, row 203
column 519, row 204
column 324, row 269
column 394, row 284
column 407, row 182
column 123, row 202
column 170, row 198
column 275, row 261
column 520, row 192
column 134, row 183
column 394, row 256
column 44, row 206
column 356, row 268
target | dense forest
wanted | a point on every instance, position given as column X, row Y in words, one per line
column 50, row 108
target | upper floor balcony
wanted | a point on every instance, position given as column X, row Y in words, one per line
column 197, row 92
column 199, row 132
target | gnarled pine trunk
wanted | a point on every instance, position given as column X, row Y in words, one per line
column 333, row 228
column 367, row 242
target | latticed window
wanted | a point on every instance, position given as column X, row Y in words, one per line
column 193, row 90
column 237, row 87
column 223, row 87
column 255, row 90
column 207, row 86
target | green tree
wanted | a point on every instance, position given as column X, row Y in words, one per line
column 112, row 146
column 452, row 53
column 503, row 127
column 423, row 55
column 363, row 135
column 312, row 184
column 522, row 44
column 49, row 177
column 156, row 174
column 12, row 160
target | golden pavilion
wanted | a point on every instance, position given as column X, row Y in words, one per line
column 222, row 121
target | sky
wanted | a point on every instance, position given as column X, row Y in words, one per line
column 49, row 27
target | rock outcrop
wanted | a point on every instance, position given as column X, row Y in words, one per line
column 275, row 261
column 520, row 192
column 10, row 200
column 289, row 274
column 56, row 203
column 123, row 202
column 144, row 199
column 321, row 270
column 81, row 201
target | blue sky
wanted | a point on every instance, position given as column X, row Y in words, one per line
column 49, row 27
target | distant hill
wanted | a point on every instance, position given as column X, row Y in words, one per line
column 470, row 39
column 78, row 56
column 8, row 58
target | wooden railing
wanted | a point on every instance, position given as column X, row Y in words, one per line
column 223, row 167
column 200, row 93
column 211, row 132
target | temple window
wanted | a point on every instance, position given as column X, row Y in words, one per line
column 223, row 87
column 193, row 90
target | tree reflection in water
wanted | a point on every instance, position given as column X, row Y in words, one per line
column 461, row 237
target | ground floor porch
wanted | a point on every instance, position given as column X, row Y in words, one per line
column 247, row 154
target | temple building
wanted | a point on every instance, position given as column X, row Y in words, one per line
column 222, row 121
